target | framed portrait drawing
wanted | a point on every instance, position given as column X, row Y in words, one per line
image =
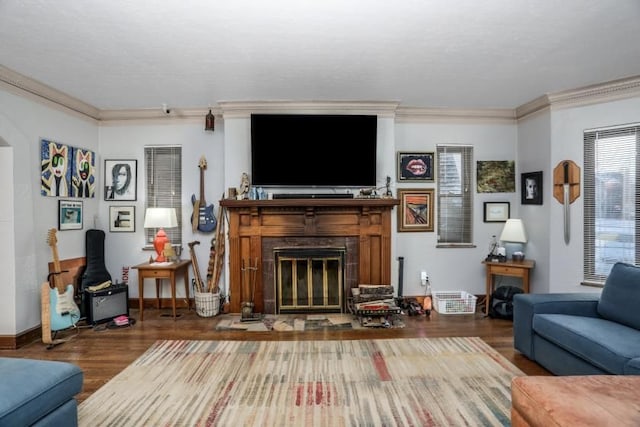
column 416, row 167
column 496, row 211
column 122, row 219
column 120, row 179
column 531, row 188
column 69, row 215
column 415, row 212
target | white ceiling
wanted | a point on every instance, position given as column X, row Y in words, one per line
column 137, row 54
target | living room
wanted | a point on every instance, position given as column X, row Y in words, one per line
column 537, row 131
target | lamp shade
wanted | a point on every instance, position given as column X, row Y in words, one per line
column 160, row 218
column 514, row 231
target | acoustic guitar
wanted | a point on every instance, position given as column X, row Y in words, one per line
column 59, row 310
column 203, row 218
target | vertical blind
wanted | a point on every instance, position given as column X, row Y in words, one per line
column 611, row 195
column 163, row 167
column 455, row 195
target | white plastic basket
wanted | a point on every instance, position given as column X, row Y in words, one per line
column 207, row 303
column 454, row 302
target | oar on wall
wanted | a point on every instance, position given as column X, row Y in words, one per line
column 566, row 189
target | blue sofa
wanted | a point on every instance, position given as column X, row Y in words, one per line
column 38, row 392
column 583, row 333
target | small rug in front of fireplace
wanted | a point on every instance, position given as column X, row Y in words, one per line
column 298, row 322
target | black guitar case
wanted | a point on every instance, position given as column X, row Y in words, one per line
column 96, row 271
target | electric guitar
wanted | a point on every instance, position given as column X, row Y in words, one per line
column 59, row 310
column 203, row 218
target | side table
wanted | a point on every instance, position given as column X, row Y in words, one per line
column 161, row 271
column 519, row 269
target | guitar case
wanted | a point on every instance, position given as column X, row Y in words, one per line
column 96, row 271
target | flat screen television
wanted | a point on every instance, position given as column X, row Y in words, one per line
column 313, row 150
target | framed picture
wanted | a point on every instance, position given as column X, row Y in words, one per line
column 417, row 167
column 120, row 179
column 531, row 188
column 415, row 212
column 69, row 215
column 496, row 176
column 122, row 218
column 496, row 211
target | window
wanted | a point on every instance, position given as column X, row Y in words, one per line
column 163, row 167
column 455, row 196
column 611, row 200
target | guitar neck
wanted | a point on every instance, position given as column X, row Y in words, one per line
column 57, row 279
column 202, row 201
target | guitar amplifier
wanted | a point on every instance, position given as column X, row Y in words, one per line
column 105, row 304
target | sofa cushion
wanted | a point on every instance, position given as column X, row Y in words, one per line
column 603, row 343
column 620, row 297
column 31, row 390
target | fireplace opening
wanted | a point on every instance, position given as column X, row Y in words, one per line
column 309, row 279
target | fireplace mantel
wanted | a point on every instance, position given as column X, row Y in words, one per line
column 252, row 221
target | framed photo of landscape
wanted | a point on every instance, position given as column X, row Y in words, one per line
column 415, row 212
column 415, row 167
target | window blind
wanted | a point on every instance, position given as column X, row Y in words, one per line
column 163, row 167
column 455, row 195
column 611, row 200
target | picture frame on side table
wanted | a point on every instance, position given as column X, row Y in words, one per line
column 415, row 212
column 415, row 167
column 122, row 219
column 69, row 215
column 120, row 179
column 496, row 211
column 531, row 189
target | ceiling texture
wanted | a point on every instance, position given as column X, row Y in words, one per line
column 465, row 54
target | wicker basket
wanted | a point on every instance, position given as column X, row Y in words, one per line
column 207, row 304
column 454, row 302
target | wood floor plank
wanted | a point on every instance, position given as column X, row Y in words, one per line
column 102, row 353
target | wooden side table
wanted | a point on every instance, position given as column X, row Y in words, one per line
column 519, row 269
column 161, row 271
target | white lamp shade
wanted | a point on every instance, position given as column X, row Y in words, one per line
column 514, row 231
column 160, row 218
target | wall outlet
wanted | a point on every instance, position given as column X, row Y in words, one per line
column 424, row 278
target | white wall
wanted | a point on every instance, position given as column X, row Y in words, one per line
column 567, row 127
column 23, row 123
column 459, row 268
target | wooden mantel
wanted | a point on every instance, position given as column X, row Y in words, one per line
column 251, row 221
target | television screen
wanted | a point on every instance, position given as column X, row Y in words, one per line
column 303, row 150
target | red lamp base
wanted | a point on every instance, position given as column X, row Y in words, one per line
column 158, row 243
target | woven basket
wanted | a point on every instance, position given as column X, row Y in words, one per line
column 207, row 304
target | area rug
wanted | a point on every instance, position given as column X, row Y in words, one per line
column 300, row 322
column 385, row 382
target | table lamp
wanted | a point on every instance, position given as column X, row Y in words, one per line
column 160, row 218
column 514, row 236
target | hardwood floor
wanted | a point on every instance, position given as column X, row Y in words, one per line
column 102, row 353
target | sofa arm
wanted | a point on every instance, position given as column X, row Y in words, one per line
column 526, row 305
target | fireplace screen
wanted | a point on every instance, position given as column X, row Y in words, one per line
column 309, row 280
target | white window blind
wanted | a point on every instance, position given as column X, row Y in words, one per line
column 455, row 195
column 163, row 167
column 611, row 200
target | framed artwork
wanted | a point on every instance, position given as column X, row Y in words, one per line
column 415, row 212
column 55, row 176
column 120, row 179
column 531, row 188
column 417, row 167
column 122, row 219
column 496, row 211
column 69, row 215
column 496, row 176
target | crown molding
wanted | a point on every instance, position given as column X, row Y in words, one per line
column 613, row 90
column 240, row 109
column 31, row 87
column 439, row 115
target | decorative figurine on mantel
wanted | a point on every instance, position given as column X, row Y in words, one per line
column 243, row 190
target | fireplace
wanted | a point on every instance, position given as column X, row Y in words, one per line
column 262, row 231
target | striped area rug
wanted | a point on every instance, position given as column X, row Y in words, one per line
column 386, row 382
